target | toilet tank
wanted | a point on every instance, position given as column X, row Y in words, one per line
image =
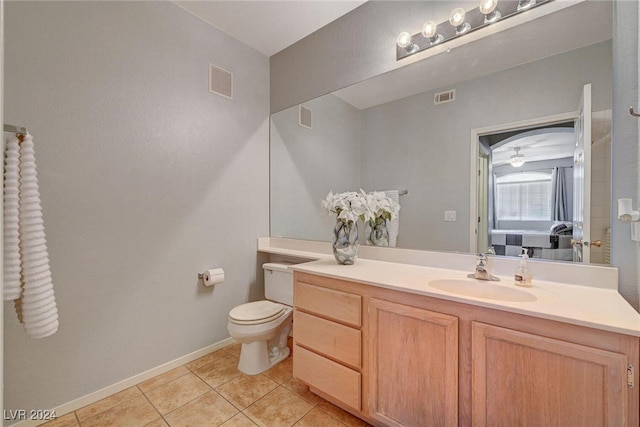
column 278, row 282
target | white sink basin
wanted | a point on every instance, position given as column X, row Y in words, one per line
column 481, row 289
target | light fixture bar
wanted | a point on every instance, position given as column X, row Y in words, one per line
column 474, row 18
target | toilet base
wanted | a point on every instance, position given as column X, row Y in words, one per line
column 255, row 357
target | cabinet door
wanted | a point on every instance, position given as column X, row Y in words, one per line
column 413, row 373
column 521, row 379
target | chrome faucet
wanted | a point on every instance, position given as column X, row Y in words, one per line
column 482, row 273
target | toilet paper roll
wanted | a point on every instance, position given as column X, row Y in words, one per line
column 213, row 277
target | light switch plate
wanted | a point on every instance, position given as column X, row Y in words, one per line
column 450, row 215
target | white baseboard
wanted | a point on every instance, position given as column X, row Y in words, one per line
column 129, row 382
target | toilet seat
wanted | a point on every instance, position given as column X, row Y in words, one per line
column 253, row 313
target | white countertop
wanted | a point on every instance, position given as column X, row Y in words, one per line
column 584, row 295
column 580, row 305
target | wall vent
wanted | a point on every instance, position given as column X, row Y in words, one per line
column 444, row 97
column 220, row 82
column 304, row 116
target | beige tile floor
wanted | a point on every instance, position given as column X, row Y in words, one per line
column 210, row 391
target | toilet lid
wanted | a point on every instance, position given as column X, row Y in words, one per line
column 256, row 312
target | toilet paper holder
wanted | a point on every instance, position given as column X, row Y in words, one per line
column 212, row 277
column 201, row 275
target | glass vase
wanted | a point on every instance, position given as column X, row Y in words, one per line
column 345, row 242
column 377, row 232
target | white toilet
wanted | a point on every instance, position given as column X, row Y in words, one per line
column 263, row 326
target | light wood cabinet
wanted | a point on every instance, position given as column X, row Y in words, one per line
column 413, row 371
column 327, row 342
column 520, row 376
column 395, row 358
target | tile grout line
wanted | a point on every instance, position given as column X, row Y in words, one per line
column 154, row 407
column 184, row 404
column 80, row 422
column 211, row 388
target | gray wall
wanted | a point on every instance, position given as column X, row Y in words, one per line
column 307, row 163
column 146, row 179
column 625, row 253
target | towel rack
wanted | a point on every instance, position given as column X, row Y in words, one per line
column 18, row 130
column 633, row 113
column 403, row 192
column 15, row 129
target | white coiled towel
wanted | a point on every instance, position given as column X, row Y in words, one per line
column 393, row 226
column 36, row 301
column 11, row 206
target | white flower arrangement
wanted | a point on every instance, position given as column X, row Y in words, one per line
column 348, row 206
column 352, row 206
column 382, row 206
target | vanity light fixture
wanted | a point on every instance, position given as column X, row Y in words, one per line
column 517, row 159
column 461, row 22
column 488, row 9
column 430, row 31
column 456, row 18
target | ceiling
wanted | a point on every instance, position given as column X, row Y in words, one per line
column 537, row 145
column 268, row 25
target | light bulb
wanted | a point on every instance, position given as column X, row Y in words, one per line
column 404, row 40
column 625, row 217
column 488, row 9
column 517, row 159
column 456, row 18
column 429, row 29
column 487, row 6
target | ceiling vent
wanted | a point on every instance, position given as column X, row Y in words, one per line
column 304, row 116
column 220, row 82
column 444, row 97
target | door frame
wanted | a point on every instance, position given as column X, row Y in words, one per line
column 473, row 149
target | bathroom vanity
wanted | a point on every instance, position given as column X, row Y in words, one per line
column 407, row 345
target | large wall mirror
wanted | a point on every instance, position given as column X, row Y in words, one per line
column 518, row 88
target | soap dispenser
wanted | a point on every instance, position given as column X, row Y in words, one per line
column 490, row 254
column 523, row 272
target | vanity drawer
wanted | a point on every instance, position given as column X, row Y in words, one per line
column 340, row 306
column 336, row 341
column 327, row 376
